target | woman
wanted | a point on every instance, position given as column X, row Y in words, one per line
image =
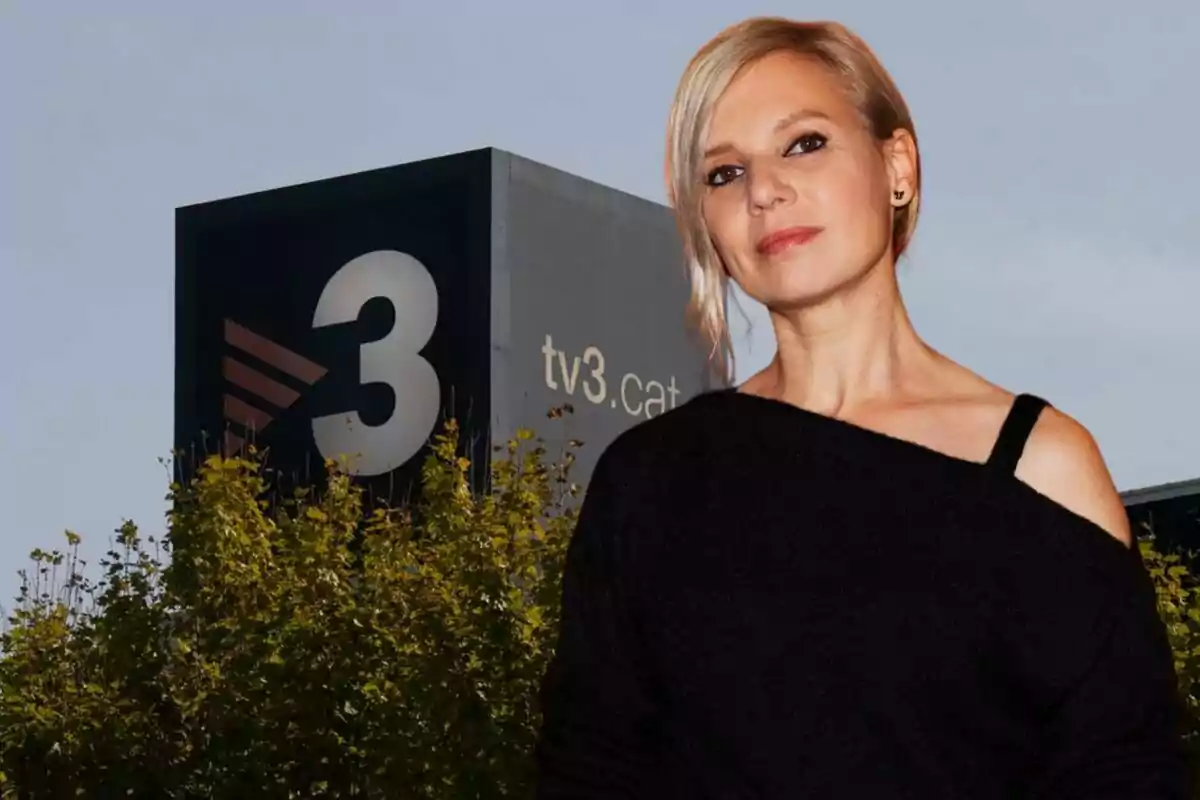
column 867, row 571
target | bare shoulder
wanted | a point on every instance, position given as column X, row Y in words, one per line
column 1063, row 462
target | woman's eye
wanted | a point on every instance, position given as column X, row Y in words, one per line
column 807, row 143
column 721, row 175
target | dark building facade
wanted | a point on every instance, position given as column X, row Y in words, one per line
column 1170, row 511
column 347, row 317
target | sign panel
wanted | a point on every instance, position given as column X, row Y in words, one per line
column 346, row 318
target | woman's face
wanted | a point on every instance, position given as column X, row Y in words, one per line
column 798, row 196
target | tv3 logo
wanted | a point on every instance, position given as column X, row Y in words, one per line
column 394, row 360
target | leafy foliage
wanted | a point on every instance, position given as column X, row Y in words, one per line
column 316, row 648
column 1178, row 591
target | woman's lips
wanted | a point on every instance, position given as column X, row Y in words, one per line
column 781, row 240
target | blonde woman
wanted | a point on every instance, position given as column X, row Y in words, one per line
column 866, row 572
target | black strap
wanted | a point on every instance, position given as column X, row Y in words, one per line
column 1014, row 433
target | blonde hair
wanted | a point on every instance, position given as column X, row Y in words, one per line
column 708, row 74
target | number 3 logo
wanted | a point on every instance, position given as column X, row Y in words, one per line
column 394, row 360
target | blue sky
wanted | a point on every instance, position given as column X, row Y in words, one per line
column 1056, row 253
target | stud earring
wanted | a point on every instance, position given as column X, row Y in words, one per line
column 898, row 194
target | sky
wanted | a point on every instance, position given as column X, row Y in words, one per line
column 1056, row 252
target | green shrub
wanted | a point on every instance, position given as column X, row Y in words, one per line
column 317, row 649
column 1178, row 591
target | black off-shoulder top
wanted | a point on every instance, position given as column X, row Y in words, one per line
column 764, row 602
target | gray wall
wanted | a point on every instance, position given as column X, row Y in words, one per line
column 588, row 302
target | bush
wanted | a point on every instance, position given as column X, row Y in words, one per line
column 318, row 648
column 1178, row 593
column 312, row 649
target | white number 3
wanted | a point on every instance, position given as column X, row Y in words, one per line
column 394, row 360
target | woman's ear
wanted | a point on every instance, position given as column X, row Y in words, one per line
column 900, row 157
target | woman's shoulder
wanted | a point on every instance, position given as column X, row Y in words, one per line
column 1063, row 462
column 1042, row 449
column 1049, row 455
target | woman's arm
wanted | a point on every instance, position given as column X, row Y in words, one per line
column 1117, row 733
column 598, row 730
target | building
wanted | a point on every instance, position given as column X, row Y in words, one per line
column 349, row 316
column 1171, row 511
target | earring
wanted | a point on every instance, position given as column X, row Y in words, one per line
column 898, row 194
